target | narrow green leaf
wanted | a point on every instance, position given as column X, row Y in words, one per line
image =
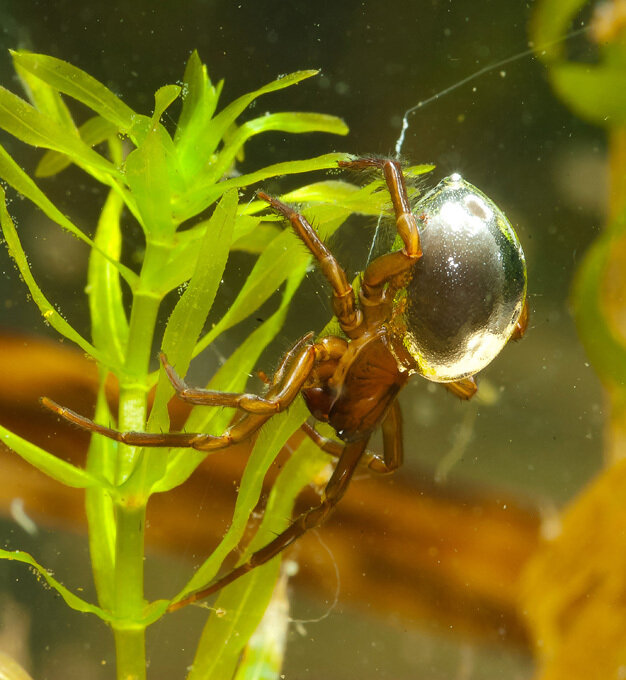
column 295, row 123
column 94, row 131
column 109, row 325
column 268, row 444
column 232, row 377
column 163, row 97
column 283, row 255
column 215, row 129
column 244, row 602
column 182, row 261
column 11, row 172
column 23, row 121
column 223, row 637
column 199, row 102
column 72, row 601
column 200, row 197
column 262, row 658
column 79, row 85
column 148, row 176
column 101, row 460
column 257, row 240
column 188, row 318
column 370, row 199
column 54, row 467
column 46, row 99
column 48, row 312
column 189, row 315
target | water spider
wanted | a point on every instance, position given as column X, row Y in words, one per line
column 442, row 305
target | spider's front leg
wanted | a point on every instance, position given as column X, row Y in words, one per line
column 299, row 361
column 387, row 267
column 344, row 302
column 291, row 375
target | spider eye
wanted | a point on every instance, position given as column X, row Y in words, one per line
column 467, row 291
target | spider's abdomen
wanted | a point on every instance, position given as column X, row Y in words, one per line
column 466, row 292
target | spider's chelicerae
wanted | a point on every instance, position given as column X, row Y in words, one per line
column 442, row 306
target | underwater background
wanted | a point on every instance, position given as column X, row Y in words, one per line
column 534, row 439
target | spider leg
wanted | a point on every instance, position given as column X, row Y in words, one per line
column 285, row 387
column 464, row 389
column 344, row 303
column 333, row 493
column 385, row 267
column 522, row 322
column 200, row 441
column 286, row 384
column 392, row 443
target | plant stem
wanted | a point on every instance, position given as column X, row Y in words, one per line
column 130, row 510
column 129, row 650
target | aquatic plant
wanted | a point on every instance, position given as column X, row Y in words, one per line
column 180, row 189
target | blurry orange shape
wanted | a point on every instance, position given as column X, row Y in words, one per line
column 574, row 589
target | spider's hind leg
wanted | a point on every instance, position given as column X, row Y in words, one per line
column 333, row 493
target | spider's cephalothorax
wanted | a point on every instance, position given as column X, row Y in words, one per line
column 442, row 304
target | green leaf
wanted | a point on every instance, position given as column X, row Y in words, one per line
column 101, row 462
column 199, row 97
column 295, row 123
column 182, row 261
column 595, row 93
column 270, row 441
column 283, row 255
column 244, row 602
column 48, row 312
column 54, row 467
column 257, row 240
column 231, row 377
column 199, row 102
column 23, row 121
column 163, row 98
column 109, row 325
column 11, row 172
column 200, row 197
column 604, row 347
column 71, row 600
column 189, row 315
column 551, row 22
column 78, row 85
column 262, row 658
column 223, row 637
column 215, row 129
column 92, row 132
column 148, row 176
column 46, row 99
column 188, row 318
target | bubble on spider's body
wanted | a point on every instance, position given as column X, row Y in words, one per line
column 467, row 291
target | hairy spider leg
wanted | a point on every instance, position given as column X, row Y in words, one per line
column 392, row 443
column 344, row 302
column 387, row 273
column 334, row 491
column 280, row 395
column 277, row 400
